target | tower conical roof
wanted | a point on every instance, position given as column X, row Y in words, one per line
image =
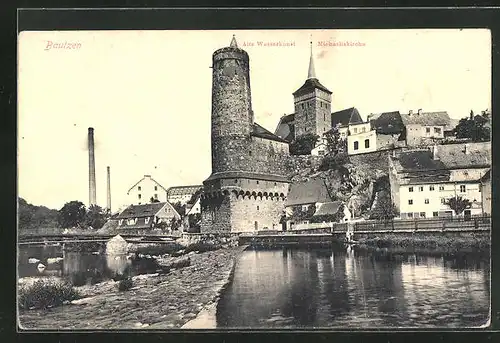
column 233, row 42
column 311, row 73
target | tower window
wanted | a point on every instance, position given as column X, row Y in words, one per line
column 302, row 105
column 462, row 188
column 324, row 116
column 235, row 180
column 257, row 208
column 257, row 182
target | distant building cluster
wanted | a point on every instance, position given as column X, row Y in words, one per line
column 249, row 190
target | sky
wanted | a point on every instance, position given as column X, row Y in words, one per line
column 147, row 94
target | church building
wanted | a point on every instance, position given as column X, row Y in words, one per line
column 312, row 103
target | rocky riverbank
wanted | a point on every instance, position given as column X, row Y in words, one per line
column 185, row 297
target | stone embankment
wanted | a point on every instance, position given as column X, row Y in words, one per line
column 155, row 301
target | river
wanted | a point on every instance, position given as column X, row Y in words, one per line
column 346, row 288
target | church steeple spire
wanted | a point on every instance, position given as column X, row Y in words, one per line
column 233, row 42
column 311, row 74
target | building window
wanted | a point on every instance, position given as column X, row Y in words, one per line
column 302, row 105
column 120, row 222
column 156, row 196
column 410, row 202
column 410, row 189
column 356, row 145
column 410, row 215
column 443, row 201
column 422, row 214
column 435, row 214
column 367, row 143
column 441, row 188
column 363, row 129
column 156, row 188
column 139, row 196
column 139, row 188
column 355, row 130
column 146, row 220
column 428, row 130
column 131, row 221
column 431, row 188
column 257, row 208
column 305, row 208
column 437, row 130
column 462, row 188
column 426, row 201
column 421, row 189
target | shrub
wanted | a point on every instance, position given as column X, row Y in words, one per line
column 184, row 262
column 125, row 284
column 45, row 294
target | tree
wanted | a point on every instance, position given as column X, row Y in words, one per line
column 181, row 209
column 303, row 144
column 72, row 214
column 299, row 214
column 96, row 217
column 335, row 144
column 384, row 208
column 458, row 204
column 474, row 128
column 33, row 217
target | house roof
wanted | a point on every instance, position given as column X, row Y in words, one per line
column 387, row 122
column 259, row 131
column 286, row 127
column 308, row 192
column 420, row 167
column 329, row 208
column 143, row 178
column 468, row 155
column 183, row 190
column 346, row 117
column 138, row 211
column 440, row 118
column 247, row 175
column 309, row 86
column 487, row 176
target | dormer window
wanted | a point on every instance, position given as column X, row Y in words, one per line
column 132, row 221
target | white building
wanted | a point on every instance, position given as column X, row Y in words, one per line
column 422, row 181
column 182, row 194
column 145, row 189
column 426, row 128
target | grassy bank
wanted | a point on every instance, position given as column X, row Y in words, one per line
column 446, row 243
column 158, row 301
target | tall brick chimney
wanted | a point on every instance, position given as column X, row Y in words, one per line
column 92, row 192
column 109, row 189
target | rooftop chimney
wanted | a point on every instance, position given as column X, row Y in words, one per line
column 92, row 190
column 434, row 152
column 109, row 189
column 419, row 111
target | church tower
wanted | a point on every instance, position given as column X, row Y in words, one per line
column 312, row 105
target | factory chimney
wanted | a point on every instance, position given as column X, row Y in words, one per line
column 92, row 192
column 109, row 189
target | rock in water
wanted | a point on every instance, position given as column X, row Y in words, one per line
column 116, row 246
column 40, row 267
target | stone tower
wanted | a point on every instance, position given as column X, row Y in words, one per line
column 247, row 187
column 312, row 105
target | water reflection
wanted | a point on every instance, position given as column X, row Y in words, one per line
column 337, row 288
column 81, row 267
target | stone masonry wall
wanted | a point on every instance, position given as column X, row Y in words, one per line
column 268, row 156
